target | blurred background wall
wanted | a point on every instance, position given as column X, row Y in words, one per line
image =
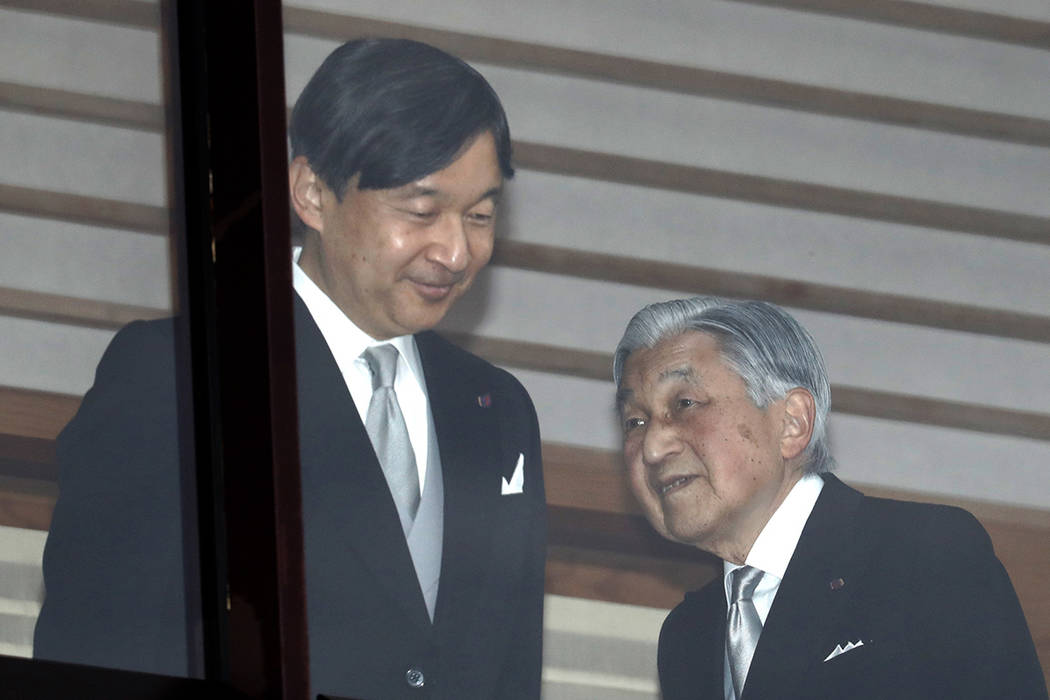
column 879, row 167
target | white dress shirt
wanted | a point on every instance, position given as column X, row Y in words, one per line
column 347, row 342
column 773, row 549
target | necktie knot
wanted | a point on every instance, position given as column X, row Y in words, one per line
column 744, row 582
column 382, row 361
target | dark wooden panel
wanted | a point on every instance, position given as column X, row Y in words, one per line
column 602, row 549
column 26, row 503
column 623, row 578
column 35, row 414
column 27, row 457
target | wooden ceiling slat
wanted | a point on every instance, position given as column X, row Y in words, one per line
column 131, row 13
column 935, row 18
column 82, row 209
column 643, row 73
column 57, row 308
column 914, row 15
column 78, row 105
column 591, row 365
column 782, row 193
column 35, row 414
column 682, row 79
column 558, row 160
column 811, row 296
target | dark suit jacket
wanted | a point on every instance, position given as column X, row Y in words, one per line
column 113, row 564
column 922, row 589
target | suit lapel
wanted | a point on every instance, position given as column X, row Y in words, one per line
column 711, row 638
column 808, row 613
column 468, row 440
column 346, row 501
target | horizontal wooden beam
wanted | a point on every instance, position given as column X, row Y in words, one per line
column 35, row 414
column 544, row 158
column 75, row 311
column 624, row 270
column 28, row 458
column 81, row 209
column 791, row 194
column 935, row 18
column 576, row 478
column 618, row 577
column 600, row 547
column 97, row 109
column 594, row 479
column 799, row 294
column 914, row 15
column 682, row 79
column 131, row 13
column 584, row 64
column 598, row 366
column 26, row 503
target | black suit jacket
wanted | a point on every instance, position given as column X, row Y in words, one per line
column 113, row 564
column 920, row 586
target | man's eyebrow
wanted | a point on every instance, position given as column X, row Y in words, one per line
column 623, row 395
column 492, row 193
column 687, row 373
column 413, row 190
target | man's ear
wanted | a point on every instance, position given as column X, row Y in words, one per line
column 306, row 189
column 800, row 411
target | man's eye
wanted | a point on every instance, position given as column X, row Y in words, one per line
column 481, row 218
column 632, row 423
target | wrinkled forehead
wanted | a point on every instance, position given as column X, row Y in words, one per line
column 687, row 358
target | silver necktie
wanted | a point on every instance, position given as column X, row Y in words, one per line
column 386, row 428
column 744, row 626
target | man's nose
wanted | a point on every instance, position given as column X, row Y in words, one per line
column 661, row 441
column 450, row 246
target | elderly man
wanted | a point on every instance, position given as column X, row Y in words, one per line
column 826, row 592
column 423, row 500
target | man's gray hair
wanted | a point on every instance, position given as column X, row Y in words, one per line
column 770, row 351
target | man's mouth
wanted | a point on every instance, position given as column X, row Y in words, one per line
column 433, row 289
column 675, row 484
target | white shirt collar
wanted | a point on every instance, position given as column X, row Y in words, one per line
column 345, row 339
column 776, row 544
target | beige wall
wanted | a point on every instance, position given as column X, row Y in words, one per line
column 913, row 242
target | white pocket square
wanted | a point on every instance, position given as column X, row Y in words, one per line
column 517, row 479
column 839, row 650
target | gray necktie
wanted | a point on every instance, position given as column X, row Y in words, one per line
column 386, row 427
column 744, row 626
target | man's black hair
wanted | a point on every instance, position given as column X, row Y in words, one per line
column 393, row 111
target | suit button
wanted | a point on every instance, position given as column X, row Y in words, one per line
column 414, row 678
